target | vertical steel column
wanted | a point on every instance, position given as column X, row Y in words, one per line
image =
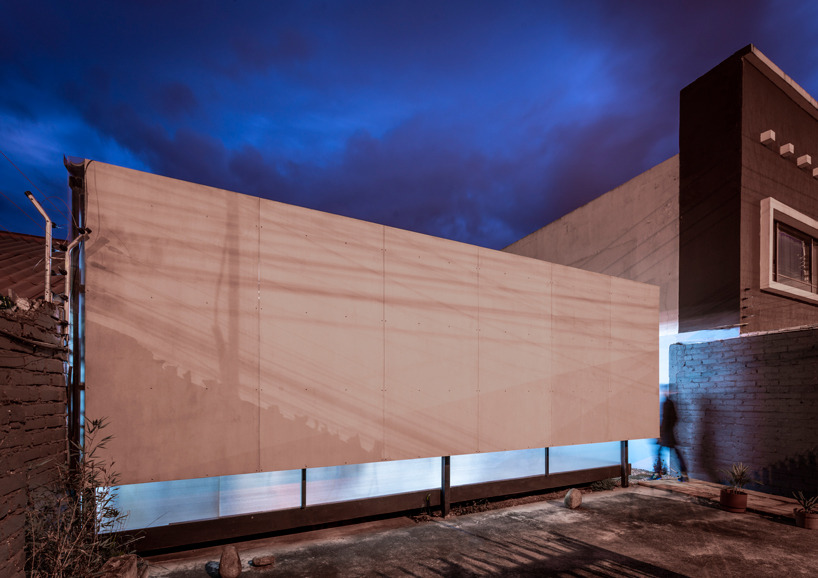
column 303, row 488
column 445, row 486
column 623, row 463
column 547, row 464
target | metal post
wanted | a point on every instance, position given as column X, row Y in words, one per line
column 547, row 464
column 623, row 465
column 47, row 245
column 303, row 488
column 445, row 486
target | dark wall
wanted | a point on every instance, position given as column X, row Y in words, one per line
column 710, row 198
column 32, row 418
column 754, row 400
column 766, row 174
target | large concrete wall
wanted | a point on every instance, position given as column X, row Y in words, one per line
column 710, row 198
column 631, row 232
column 725, row 173
column 226, row 334
column 765, row 173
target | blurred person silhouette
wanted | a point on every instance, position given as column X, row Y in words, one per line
column 667, row 437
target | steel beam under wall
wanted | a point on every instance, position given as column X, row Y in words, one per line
column 188, row 534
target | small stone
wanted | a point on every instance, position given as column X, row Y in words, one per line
column 229, row 563
column 573, row 499
column 264, row 560
column 120, row 567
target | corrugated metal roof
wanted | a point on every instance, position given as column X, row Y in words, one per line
column 22, row 266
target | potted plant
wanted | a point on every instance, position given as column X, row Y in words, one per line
column 807, row 515
column 733, row 499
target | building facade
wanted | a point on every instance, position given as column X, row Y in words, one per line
column 728, row 230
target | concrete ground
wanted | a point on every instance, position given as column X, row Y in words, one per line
column 639, row 531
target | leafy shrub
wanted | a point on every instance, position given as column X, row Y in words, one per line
column 809, row 505
column 71, row 517
column 738, row 476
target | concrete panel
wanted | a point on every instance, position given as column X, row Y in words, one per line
column 230, row 335
column 631, row 232
column 172, row 325
column 580, row 356
column 430, row 346
column 515, row 352
column 321, row 350
column 633, row 402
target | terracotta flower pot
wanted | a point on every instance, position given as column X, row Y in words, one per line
column 805, row 520
column 733, row 502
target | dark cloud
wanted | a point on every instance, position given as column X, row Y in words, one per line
column 261, row 53
column 477, row 121
column 176, row 99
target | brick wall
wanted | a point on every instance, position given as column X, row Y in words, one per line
column 32, row 416
column 752, row 399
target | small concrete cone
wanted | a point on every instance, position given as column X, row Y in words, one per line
column 573, row 499
column 230, row 563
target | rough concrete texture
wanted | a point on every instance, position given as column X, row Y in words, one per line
column 637, row 531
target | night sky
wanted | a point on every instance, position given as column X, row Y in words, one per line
column 475, row 121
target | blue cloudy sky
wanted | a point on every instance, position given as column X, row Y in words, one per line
column 475, row 121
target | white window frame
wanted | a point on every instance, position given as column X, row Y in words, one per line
column 772, row 211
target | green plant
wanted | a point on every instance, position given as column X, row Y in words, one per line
column 809, row 505
column 738, row 476
column 70, row 518
column 6, row 302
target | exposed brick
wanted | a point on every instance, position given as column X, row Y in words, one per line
column 10, row 483
column 12, row 503
column 32, row 420
column 753, row 400
column 10, row 525
column 32, row 331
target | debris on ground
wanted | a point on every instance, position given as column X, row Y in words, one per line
column 230, row 563
column 573, row 499
column 486, row 505
column 264, row 561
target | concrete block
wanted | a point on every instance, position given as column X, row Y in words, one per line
column 768, row 138
column 787, row 150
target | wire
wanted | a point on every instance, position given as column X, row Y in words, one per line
column 22, row 211
column 42, row 193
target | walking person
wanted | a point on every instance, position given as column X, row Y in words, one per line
column 667, row 438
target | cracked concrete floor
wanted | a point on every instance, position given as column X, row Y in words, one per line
column 634, row 532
